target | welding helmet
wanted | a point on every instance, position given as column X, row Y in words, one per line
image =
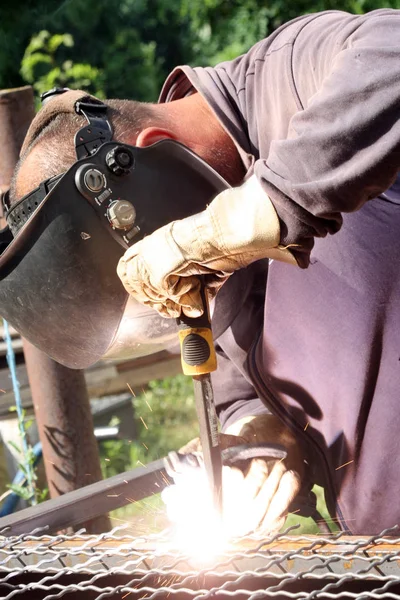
column 59, row 252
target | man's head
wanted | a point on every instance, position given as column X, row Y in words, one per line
column 52, row 150
column 49, row 262
column 188, row 120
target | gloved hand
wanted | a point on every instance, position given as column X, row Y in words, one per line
column 257, row 500
column 239, row 227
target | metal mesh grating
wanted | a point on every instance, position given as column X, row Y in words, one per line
column 117, row 565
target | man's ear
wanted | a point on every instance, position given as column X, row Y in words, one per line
column 151, row 135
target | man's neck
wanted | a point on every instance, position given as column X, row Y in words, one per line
column 195, row 125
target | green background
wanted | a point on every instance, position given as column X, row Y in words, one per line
column 125, row 48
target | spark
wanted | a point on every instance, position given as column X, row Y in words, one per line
column 141, row 418
column 122, row 520
column 127, row 594
column 131, row 390
column 148, row 509
column 2, row 391
column 148, row 504
column 165, row 479
column 305, row 428
column 149, row 406
column 125, row 481
column 145, row 445
column 107, row 459
column 113, row 495
column 345, row 465
column 140, row 463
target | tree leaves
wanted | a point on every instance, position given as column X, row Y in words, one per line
column 42, row 65
column 126, row 48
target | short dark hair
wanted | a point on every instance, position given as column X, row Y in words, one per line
column 128, row 118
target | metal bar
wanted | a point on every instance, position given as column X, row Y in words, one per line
column 87, row 503
column 59, row 394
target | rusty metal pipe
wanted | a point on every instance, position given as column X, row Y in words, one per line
column 16, row 112
column 59, row 394
column 65, row 426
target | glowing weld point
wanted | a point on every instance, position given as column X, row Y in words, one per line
column 198, row 530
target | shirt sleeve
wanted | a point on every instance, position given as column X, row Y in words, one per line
column 343, row 147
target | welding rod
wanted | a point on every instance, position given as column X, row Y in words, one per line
column 199, row 360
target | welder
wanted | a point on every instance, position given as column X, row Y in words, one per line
column 305, row 129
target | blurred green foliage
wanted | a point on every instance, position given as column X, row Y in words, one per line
column 43, row 69
column 125, row 48
column 165, row 417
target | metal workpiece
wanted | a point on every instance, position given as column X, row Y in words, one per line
column 89, row 503
column 118, row 565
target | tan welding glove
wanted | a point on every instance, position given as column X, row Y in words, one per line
column 239, row 227
column 257, row 499
column 263, row 494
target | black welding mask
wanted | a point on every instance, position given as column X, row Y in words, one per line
column 58, row 282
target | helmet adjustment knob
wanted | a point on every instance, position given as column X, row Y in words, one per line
column 121, row 214
column 120, row 160
column 94, row 180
